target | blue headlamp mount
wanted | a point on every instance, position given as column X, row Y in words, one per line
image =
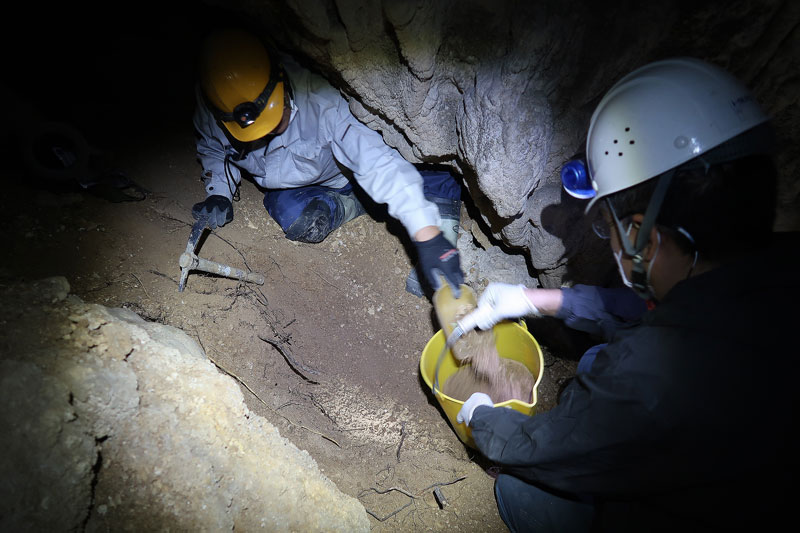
column 575, row 178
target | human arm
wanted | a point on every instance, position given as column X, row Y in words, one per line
column 390, row 179
column 595, row 310
column 501, row 301
column 599, row 310
column 595, row 441
column 212, row 146
column 381, row 171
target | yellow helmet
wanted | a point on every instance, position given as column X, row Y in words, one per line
column 244, row 87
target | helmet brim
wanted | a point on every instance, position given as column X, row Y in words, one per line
column 267, row 121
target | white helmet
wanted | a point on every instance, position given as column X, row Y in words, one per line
column 660, row 116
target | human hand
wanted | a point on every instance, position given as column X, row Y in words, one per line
column 217, row 208
column 498, row 302
column 437, row 257
column 477, row 399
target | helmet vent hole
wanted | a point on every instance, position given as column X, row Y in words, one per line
column 615, row 141
column 606, row 152
column 632, row 141
column 627, row 129
column 620, row 154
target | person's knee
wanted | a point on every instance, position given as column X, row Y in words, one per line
column 313, row 225
column 512, row 511
column 587, row 359
column 525, row 507
column 309, row 214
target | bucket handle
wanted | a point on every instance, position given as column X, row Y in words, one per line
column 436, row 372
column 449, row 342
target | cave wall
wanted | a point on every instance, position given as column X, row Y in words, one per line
column 501, row 92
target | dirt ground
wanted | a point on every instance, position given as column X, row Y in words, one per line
column 338, row 308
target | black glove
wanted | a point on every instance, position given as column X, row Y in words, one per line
column 218, row 209
column 437, row 257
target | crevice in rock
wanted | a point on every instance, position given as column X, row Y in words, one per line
column 392, row 34
column 149, row 315
column 98, row 465
column 383, row 118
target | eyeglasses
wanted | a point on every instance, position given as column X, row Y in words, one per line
column 601, row 229
column 603, row 220
column 600, row 225
column 246, row 113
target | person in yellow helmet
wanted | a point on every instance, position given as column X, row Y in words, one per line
column 260, row 112
column 684, row 419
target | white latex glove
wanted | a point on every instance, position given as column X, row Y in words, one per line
column 476, row 399
column 498, row 302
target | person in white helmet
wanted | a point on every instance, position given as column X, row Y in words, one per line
column 683, row 420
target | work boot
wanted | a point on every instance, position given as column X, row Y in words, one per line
column 348, row 207
column 313, row 224
column 450, row 212
column 319, row 218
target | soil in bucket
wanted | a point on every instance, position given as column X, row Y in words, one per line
column 483, row 370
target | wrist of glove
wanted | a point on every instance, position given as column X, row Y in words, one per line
column 217, row 208
column 500, row 301
column 437, row 257
column 477, row 399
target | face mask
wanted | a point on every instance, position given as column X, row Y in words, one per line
column 618, row 259
column 648, row 293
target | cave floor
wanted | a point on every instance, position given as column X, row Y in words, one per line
column 338, row 308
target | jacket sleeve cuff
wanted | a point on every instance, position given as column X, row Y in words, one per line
column 427, row 215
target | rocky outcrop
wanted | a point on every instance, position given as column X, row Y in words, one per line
column 502, row 92
column 114, row 423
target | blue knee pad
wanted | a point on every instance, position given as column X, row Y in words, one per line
column 286, row 205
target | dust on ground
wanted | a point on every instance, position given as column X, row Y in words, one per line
column 338, row 308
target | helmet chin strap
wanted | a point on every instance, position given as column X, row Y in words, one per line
column 634, row 250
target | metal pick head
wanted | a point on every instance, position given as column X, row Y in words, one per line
column 194, row 237
column 186, row 262
column 184, row 274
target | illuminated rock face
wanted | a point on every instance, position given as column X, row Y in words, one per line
column 502, row 92
column 113, row 423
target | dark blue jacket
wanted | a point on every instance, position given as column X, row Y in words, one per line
column 685, row 419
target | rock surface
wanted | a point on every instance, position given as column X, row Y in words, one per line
column 114, row 423
column 502, row 92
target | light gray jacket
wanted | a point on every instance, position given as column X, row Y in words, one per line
column 322, row 131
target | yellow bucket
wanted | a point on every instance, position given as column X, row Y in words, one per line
column 513, row 341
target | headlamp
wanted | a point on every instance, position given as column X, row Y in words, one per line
column 246, row 113
column 575, row 179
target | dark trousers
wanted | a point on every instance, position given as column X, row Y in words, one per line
column 524, row 507
column 285, row 206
